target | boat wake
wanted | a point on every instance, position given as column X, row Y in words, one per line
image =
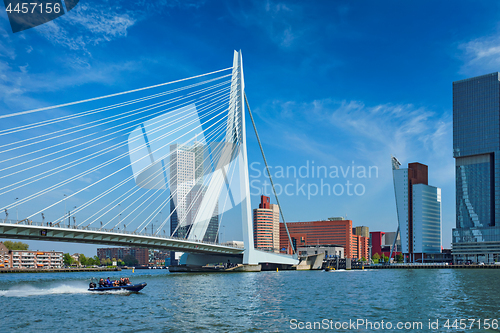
column 30, row 290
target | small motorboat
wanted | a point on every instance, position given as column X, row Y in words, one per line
column 93, row 286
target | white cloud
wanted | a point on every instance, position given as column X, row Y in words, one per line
column 350, row 130
column 17, row 83
column 481, row 55
column 6, row 49
column 87, row 25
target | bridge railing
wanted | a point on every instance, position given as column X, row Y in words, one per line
column 86, row 228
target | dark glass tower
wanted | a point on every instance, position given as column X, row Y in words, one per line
column 476, row 149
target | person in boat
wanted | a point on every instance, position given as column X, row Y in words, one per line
column 122, row 282
column 127, row 281
column 108, row 282
column 101, row 283
column 116, row 283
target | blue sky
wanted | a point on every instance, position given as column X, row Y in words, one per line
column 337, row 83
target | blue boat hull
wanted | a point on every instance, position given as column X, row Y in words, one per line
column 130, row 287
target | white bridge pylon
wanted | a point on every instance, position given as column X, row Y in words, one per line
column 235, row 151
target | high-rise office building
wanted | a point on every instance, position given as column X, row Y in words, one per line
column 476, row 149
column 187, row 191
column 186, row 186
column 419, row 211
column 182, row 181
column 266, row 225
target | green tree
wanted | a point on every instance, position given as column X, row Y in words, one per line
column 16, row 245
column 399, row 257
column 84, row 261
column 68, row 259
column 385, row 258
column 130, row 260
column 376, row 258
column 96, row 261
column 363, row 259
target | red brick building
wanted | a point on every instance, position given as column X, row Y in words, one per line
column 141, row 254
column 380, row 246
column 333, row 231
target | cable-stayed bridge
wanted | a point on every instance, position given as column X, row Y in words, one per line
column 163, row 167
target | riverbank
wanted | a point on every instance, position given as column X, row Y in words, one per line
column 59, row 270
column 432, row 266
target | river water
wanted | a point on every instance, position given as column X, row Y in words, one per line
column 255, row 302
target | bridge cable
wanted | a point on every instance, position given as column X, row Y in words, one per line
column 159, row 172
column 207, row 137
column 102, row 122
column 205, row 170
column 85, row 187
column 107, row 96
column 171, row 195
column 89, row 141
column 230, row 101
column 182, row 222
column 99, row 153
column 268, row 172
column 107, row 192
column 95, row 168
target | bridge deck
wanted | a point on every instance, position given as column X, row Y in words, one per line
column 39, row 231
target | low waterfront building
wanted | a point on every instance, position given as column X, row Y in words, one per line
column 330, row 251
column 158, row 258
column 234, row 243
column 76, row 259
column 335, row 230
column 5, row 261
column 35, row 259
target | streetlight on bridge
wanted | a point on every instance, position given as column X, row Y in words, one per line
column 69, row 217
column 64, row 207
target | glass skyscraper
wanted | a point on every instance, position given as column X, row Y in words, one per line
column 476, row 149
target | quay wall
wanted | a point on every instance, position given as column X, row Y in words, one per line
column 58, row 270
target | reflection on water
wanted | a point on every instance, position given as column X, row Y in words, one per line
column 246, row 302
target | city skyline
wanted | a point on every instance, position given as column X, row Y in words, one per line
column 331, row 84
